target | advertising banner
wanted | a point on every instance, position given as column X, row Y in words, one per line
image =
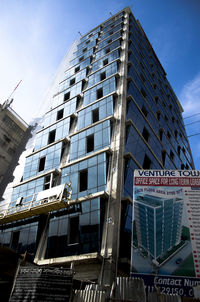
column 166, row 230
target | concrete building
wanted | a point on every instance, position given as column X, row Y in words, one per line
column 114, row 111
column 12, row 135
column 158, row 223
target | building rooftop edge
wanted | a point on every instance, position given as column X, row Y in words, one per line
column 127, row 9
column 15, row 115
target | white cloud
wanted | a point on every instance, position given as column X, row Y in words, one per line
column 190, row 96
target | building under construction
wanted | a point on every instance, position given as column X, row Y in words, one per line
column 114, row 111
column 14, row 133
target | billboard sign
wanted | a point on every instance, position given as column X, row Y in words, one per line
column 166, row 229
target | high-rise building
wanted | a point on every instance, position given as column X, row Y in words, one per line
column 114, row 111
column 158, row 223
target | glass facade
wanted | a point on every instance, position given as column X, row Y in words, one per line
column 86, row 227
column 20, row 238
column 114, row 111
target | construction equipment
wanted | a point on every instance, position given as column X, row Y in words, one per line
column 9, row 100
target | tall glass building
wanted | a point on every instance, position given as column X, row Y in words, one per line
column 114, row 111
column 158, row 223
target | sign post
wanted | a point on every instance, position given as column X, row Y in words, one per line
column 42, row 284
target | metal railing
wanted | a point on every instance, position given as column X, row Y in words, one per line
column 37, row 203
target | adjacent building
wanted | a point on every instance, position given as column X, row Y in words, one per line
column 114, row 111
column 13, row 130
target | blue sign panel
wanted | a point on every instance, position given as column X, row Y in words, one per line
column 181, row 286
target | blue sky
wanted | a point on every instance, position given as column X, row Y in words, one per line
column 35, row 36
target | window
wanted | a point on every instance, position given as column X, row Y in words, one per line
column 7, row 139
column 158, row 115
column 175, row 133
column 179, row 150
column 141, row 65
column 99, row 93
column 161, row 134
column 84, row 85
column 110, row 33
column 47, row 182
column 87, row 70
column 142, row 78
column 91, row 59
column 83, row 180
column 145, row 134
column 81, row 59
column 107, row 50
column 171, row 155
column 143, row 92
column 77, row 69
column 146, row 163
column 141, row 55
column 95, row 115
column 52, row 135
column 73, row 230
column 41, row 164
column 72, row 82
column 60, row 114
column 78, row 101
column 144, row 111
column 156, row 99
column 85, row 49
column 163, row 155
column 72, row 121
column 66, row 96
column 109, row 41
column 90, row 143
column 105, row 62
column 87, row 42
column 168, row 135
column 14, row 240
column 63, row 150
column 102, row 76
